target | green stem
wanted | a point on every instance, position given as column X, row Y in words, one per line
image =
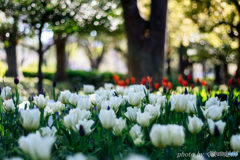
column 109, row 142
column 42, row 118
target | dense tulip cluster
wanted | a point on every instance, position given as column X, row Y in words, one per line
column 116, row 122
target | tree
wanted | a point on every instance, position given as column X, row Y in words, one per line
column 9, row 35
column 210, row 15
column 146, row 39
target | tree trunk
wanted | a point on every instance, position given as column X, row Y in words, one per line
column 218, row 78
column 12, row 60
column 146, row 40
column 61, row 74
column 237, row 74
column 40, row 53
column 182, row 63
column 225, row 73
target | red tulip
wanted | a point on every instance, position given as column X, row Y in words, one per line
column 127, row 81
column 115, row 78
column 169, row 85
column 192, row 86
column 197, row 80
column 208, row 89
column 204, row 83
column 156, row 85
column 133, row 80
column 189, row 77
column 121, row 83
column 185, row 83
column 143, row 81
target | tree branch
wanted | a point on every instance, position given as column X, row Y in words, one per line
column 29, row 47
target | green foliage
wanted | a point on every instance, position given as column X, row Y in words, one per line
column 78, row 77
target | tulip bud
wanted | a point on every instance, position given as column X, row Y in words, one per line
column 185, row 91
column 235, row 142
column 75, row 88
column 147, row 85
column 87, row 89
column 164, row 89
column 81, row 131
column 216, row 131
column 54, row 84
column 16, row 80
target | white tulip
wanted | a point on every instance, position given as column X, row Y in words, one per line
column 159, row 135
column 153, row 98
column 47, row 131
column 135, row 98
column 161, row 100
column 220, row 125
column 153, row 110
column 120, row 90
column 120, row 124
column 167, row 135
column 74, row 98
column 87, row 89
column 30, row 119
column 136, row 157
column 213, row 112
column 131, row 114
column 191, row 104
column 144, row 118
column 5, row 92
column 225, row 105
column 48, row 111
column 194, row 124
column 55, row 107
column 20, row 100
column 36, row 146
column 179, row 102
column 69, row 121
column 116, row 102
column 212, row 102
column 65, row 96
column 235, row 142
column 108, row 86
column 87, row 124
column 8, row 106
column 137, row 135
column 81, row 114
column 78, row 156
column 83, row 103
column 107, row 118
column 177, row 135
column 40, row 101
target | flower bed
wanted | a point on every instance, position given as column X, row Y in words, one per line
column 117, row 122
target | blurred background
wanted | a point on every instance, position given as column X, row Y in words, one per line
column 78, row 42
